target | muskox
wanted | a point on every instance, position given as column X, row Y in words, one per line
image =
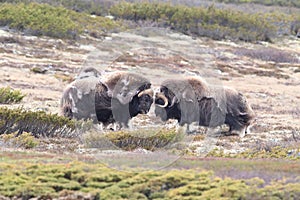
column 107, row 98
column 122, row 96
column 192, row 99
column 78, row 99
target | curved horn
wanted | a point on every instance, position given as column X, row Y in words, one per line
column 174, row 100
column 148, row 91
column 164, row 98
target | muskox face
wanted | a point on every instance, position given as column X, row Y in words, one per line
column 142, row 101
column 167, row 105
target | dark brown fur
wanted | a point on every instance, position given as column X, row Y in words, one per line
column 193, row 100
column 116, row 98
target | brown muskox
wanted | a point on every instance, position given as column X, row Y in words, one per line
column 78, row 99
column 192, row 99
column 121, row 96
column 115, row 97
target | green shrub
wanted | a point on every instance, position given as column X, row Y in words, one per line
column 37, row 123
column 8, row 95
column 270, row 152
column 48, row 180
column 209, row 22
column 91, row 7
column 149, row 139
column 43, row 19
column 290, row 3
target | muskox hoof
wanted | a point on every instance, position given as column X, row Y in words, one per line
column 240, row 133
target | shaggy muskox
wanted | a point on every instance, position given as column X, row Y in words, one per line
column 122, row 96
column 116, row 97
column 192, row 99
column 78, row 99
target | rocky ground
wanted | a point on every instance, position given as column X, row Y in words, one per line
column 268, row 74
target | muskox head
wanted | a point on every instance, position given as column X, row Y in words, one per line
column 122, row 96
column 177, row 100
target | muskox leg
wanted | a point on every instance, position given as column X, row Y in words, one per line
column 240, row 132
column 247, row 131
column 117, row 126
column 188, row 130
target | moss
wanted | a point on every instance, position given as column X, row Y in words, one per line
column 8, row 95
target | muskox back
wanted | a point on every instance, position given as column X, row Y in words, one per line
column 78, row 99
column 115, row 97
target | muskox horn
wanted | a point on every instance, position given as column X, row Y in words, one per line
column 164, row 98
column 174, row 100
column 148, row 91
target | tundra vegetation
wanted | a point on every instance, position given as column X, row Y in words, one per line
column 8, row 95
column 29, row 174
column 42, row 19
column 20, row 177
column 58, row 22
column 289, row 3
column 37, row 123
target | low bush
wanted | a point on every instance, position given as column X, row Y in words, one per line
column 59, row 22
column 200, row 21
column 8, row 95
column 25, row 140
column 37, row 123
column 150, row 139
column 289, row 3
column 98, row 7
column 267, row 152
column 44, row 180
